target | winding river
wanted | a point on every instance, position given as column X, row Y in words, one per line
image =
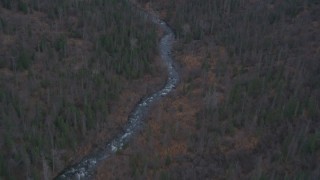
column 86, row 167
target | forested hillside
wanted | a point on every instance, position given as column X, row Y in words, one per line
column 248, row 104
column 63, row 66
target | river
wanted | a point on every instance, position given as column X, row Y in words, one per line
column 86, row 167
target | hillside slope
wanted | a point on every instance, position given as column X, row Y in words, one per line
column 70, row 72
column 248, row 104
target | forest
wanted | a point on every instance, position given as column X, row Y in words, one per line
column 63, row 65
column 247, row 106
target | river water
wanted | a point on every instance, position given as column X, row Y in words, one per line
column 86, row 167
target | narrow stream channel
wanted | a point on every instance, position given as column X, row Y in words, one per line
column 86, row 167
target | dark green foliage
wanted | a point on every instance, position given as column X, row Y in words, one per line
column 136, row 162
column 3, row 167
column 43, row 44
column 127, row 45
column 60, row 46
column 293, row 7
column 168, row 160
column 313, row 2
column 3, row 63
column 24, row 60
column 23, row 7
column 254, row 87
column 7, row 4
column 2, row 95
column 3, row 24
column 311, row 143
column 164, row 175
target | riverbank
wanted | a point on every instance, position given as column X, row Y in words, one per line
column 246, row 107
column 133, row 92
column 85, row 167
